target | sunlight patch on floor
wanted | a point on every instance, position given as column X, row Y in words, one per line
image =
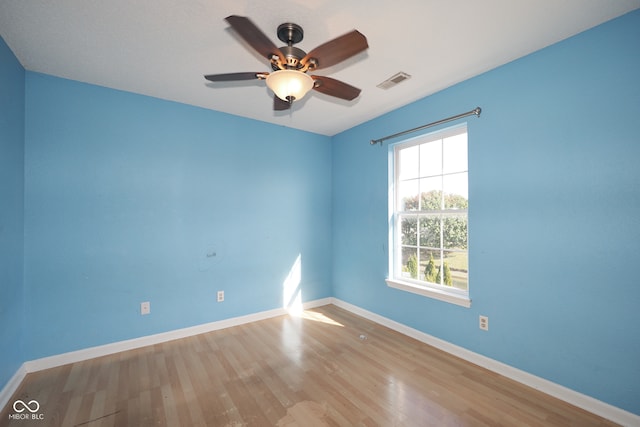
column 319, row 317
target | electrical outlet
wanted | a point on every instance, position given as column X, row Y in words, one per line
column 484, row 323
column 220, row 296
column 145, row 308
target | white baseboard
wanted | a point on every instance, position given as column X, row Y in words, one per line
column 103, row 350
column 116, row 347
column 575, row 398
column 12, row 386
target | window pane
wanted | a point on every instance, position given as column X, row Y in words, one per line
column 409, row 263
column 454, row 231
column 430, row 210
column 408, row 195
column 409, row 227
column 431, row 158
column 458, row 265
column 409, row 162
column 455, row 154
column 429, row 265
column 456, row 190
column 431, row 193
column 430, row 231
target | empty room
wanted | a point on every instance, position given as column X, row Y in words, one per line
column 320, row 213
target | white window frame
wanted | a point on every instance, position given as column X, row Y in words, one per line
column 395, row 279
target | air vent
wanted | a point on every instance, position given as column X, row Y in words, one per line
column 394, row 80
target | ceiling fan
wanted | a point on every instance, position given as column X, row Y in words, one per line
column 289, row 80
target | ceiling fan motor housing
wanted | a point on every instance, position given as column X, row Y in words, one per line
column 292, row 55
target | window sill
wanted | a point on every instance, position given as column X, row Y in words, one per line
column 431, row 293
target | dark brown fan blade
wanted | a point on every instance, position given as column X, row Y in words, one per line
column 256, row 38
column 230, row 77
column 336, row 88
column 337, row 50
column 279, row 104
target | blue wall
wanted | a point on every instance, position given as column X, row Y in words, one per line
column 12, row 83
column 554, row 214
column 128, row 198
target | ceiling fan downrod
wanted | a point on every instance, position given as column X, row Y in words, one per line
column 290, row 34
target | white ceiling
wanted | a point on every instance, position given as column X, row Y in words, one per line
column 162, row 48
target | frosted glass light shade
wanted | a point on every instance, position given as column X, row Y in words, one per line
column 289, row 85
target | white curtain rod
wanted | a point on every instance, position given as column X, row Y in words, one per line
column 476, row 111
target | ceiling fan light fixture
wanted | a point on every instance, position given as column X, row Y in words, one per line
column 289, row 85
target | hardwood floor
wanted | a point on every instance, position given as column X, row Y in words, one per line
column 326, row 368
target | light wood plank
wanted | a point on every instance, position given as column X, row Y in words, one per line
column 313, row 370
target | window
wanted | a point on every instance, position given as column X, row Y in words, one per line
column 428, row 208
